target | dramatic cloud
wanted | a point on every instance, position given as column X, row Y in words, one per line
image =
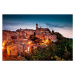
column 65, row 30
column 58, row 23
column 54, row 25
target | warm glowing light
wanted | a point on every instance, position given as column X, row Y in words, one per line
column 46, row 41
column 2, row 47
column 7, row 50
column 3, row 44
column 28, row 49
column 29, row 42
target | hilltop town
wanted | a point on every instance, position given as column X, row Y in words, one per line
column 23, row 40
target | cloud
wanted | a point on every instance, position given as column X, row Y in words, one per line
column 10, row 23
column 15, row 27
column 66, row 31
column 54, row 25
column 58, row 25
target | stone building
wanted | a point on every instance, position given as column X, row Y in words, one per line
column 12, row 50
column 42, row 33
column 45, row 33
column 17, row 49
column 20, row 39
column 51, row 37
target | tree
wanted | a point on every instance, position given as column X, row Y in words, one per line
column 34, row 34
column 66, row 54
column 52, row 31
column 59, row 36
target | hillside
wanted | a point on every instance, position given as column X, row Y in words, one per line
column 60, row 50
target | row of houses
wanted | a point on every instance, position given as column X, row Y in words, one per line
column 20, row 39
column 42, row 33
column 19, row 47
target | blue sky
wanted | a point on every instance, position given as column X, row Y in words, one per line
column 59, row 23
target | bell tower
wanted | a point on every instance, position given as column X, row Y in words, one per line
column 36, row 26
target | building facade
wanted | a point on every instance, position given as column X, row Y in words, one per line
column 42, row 33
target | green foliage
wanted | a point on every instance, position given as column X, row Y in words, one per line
column 60, row 50
column 66, row 54
column 59, row 36
column 62, row 45
column 52, row 31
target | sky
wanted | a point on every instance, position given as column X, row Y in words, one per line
column 62, row 23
